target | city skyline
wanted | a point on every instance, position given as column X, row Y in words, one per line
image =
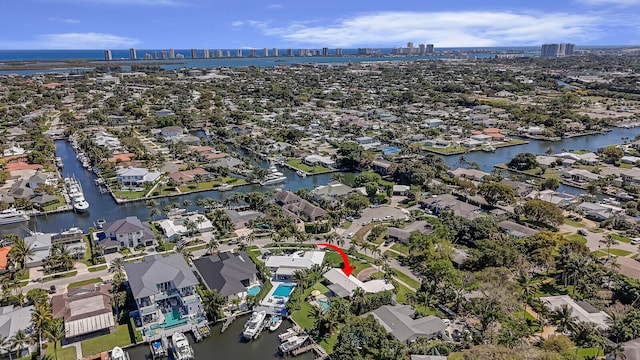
column 186, row 24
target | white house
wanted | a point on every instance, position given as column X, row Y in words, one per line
column 129, row 232
column 284, row 266
column 134, row 176
column 325, row 161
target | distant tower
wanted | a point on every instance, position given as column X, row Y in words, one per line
column 253, row 53
column 228, row 53
column 289, row 52
column 132, row 54
column 338, row 52
column 421, row 49
column 219, row 53
column 265, row 52
column 429, row 48
column 325, row 51
column 163, row 54
column 194, row 53
column 147, row 56
column 172, row 54
column 107, row 55
column 205, row 53
column 274, row 52
column 155, row 55
column 239, row 53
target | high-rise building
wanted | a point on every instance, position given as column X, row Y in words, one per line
column 365, row 51
column 194, row 53
column 274, row 52
column 289, row 52
column 219, row 53
column 325, row 51
column 147, row 56
column 107, row 55
column 429, row 48
column 205, row 53
column 239, row 53
column 252, row 53
column 132, row 54
column 172, row 54
column 556, row 50
column 265, row 52
column 228, row 53
column 422, row 49
column 155, row 55
column 163, row 54
column 338, row 52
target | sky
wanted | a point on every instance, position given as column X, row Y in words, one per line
column 244, row 24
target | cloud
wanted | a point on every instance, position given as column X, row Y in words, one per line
column 445, row 29
column 66, row 21
column 610, row 2
column 275, row 6
column 73, row 41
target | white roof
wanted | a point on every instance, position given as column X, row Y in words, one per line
column 88, row 325
column 305, row 261
column 583, row 311
column 336, row 276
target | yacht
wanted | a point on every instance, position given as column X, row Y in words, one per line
column 12, row 216
column 293, row 343
column 76, row 196
column 59, row 162
column 255, row 324
column 118, row 354
column 181, row 348
column 275, row 322
column 301, row 173
column 274, row 176
column 225, row 187
column 157, row 349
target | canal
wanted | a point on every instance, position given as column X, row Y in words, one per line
column 102, row 206
column 229, row 345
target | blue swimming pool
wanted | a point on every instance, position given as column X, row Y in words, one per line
column 254, row 290
column 283, row 290
column 324, row 304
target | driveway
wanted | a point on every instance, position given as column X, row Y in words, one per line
column 370, row 213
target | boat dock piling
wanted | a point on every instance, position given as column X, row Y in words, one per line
column 227, row 323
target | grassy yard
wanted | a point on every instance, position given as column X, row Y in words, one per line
column 98, row 268
column 127, row 195
column 106, row 342
column 618, row 252
column 336, row 260
column 573, row 223
column 621, row 238
column 392, row 254
column 84, row 282
column 302, row 316
column 54, row 205
column 446, row 151
column 551, row 288
column 207, row 185
column 401, row 248
column 54, row 276
column 577, row 238
column 328, row 343
column 346, row 224
column 599, row 253
column 63, row 354
column 298, row 164
column 407, row 279
column 596, row 230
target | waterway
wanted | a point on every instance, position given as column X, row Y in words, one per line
column 229, row 345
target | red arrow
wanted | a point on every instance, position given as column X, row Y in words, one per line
column 346, row 268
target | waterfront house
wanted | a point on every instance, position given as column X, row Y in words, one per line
column 400, row 322
column 37, row 179
column 343, row 286
column 403, row 235
column 469, row 174
column 5, row 262
column 135, row 176
column 41, row 245
column 186, row 176
column 86, row 311
column 520, row 188
column 296, row 206
column 580, row 175
column 381, row 167
column 313, row 160
column 164, row 112
column 597, row 212
column 13, row 319
column 175, row 228
column 164, row 290
column 239, row 130
column 282, row 267
column 561, row 200
column 229, row 274
column 516, row 230
column 333, row 192
column 129, row 232
column 368, row 143
column 580, row 309
column 589, row 158
column 546, row 161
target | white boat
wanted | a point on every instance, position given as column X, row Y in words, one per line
column 293, row 343
column 254, row 325
column 225, row 187
column 275, row 322
column 287, row 334
column 274, row 176
column 301, row 173
column 76, row 196
column 59, row 162
column 12, row 216
column 181, row 348
column 157, row 349
column 118, row 354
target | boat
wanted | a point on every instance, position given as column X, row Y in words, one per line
column 301, row 173
column 254, row 325
column 489, row 148
column 12, row 216
column 181, row 348
column 275, row 322
column 273, row 177
column 293, row 343
column 118, row 354
column 74, row 189
column 287, row 334
column 157, row 349
column 225, row 187
column 59, row 162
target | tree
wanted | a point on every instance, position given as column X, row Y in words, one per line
column 611, row 154
column 524, row 161
column 349, row 154
column 495, row 192
column 54, row 331
column 543, row 211
column 41, row 316
column 20, row 252
column 483, row 352
column 117, row 266
column 19, row 341
column 563, row 318
column 212, row 246
column 356, row 202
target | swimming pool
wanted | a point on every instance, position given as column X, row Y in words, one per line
column 324, row 304
column 283, row 290
column 254, row 290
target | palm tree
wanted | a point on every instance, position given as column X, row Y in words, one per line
column 608, row 241
column 5, row 344
column 21, row 252
column 528, row 289
column 184, row 251
column 55, row 332
column 19, row 340
column 563, row 319
column 199, row 220
column 300, row 277
column 186, row 202
column 212, row 302
column 41, row 316
column 616, row 352
column 117, row 266
column 212, row 246
column 154, row 213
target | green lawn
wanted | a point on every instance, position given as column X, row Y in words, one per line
column 401, row 248
column 618, row 252
column 599, row 253
column 107, row 342
column 335, row 260
column 98, row 268
column 408, row 280
column 621, row 238
column 328, row 343
column 84, row 282
column 208, row 185
column 589, row 352
column 63, row 354
column 577, row 238
column 346, row 224
column 301, row 316
column 573, row 223
column 298, row 164
column 392, row 254
column 126, row 195
column 54, row 276
column 446, row 151
column 54, row 205
column 597, row 231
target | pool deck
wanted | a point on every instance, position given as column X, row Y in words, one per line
column 275, row 304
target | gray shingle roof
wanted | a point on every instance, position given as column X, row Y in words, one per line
column 228, row 273
column 144, row 275
column 398, row 321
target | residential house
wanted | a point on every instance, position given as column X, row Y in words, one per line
column 4, row 259
column 331, row 193
column 86, row 311
column 164, row 290
column 580, row 175
column 469, row 174
column 313, row 160
column 229, row 274
column 559, row 199
column 400, row 322
column 171, row 132
column 448, row 202
column 381, row 167
column 597, row 212
column 520, row 188
column 368, row 143
column 129, row 232
column 403, row 235
column 483, row 138
column 282, row 267
column 343, row 286
column 207, row 152
column 39, row 178
column 175, row 228
column 134, row 176
column 589, row 158
column 631, row 350
column 546, row 161
column 14, row 150
column 516, row 230
column 41, row 245
column 239, row 130
column 580, row 309
column 431, row 123
column 186, row 176
column 164, row 112
column 13, row 319
column 296, row 206
column 230, row 163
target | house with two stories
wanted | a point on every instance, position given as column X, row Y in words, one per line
column 135, row 176
column 229, row 274
column 297, row 207
column 129, row 232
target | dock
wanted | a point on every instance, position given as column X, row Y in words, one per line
column 311, row 347
column 228, row 322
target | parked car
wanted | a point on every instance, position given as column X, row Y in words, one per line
column 52, row 289
column 388, row 217
column 635, row 241
column 582, row 232
column 350, row 234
